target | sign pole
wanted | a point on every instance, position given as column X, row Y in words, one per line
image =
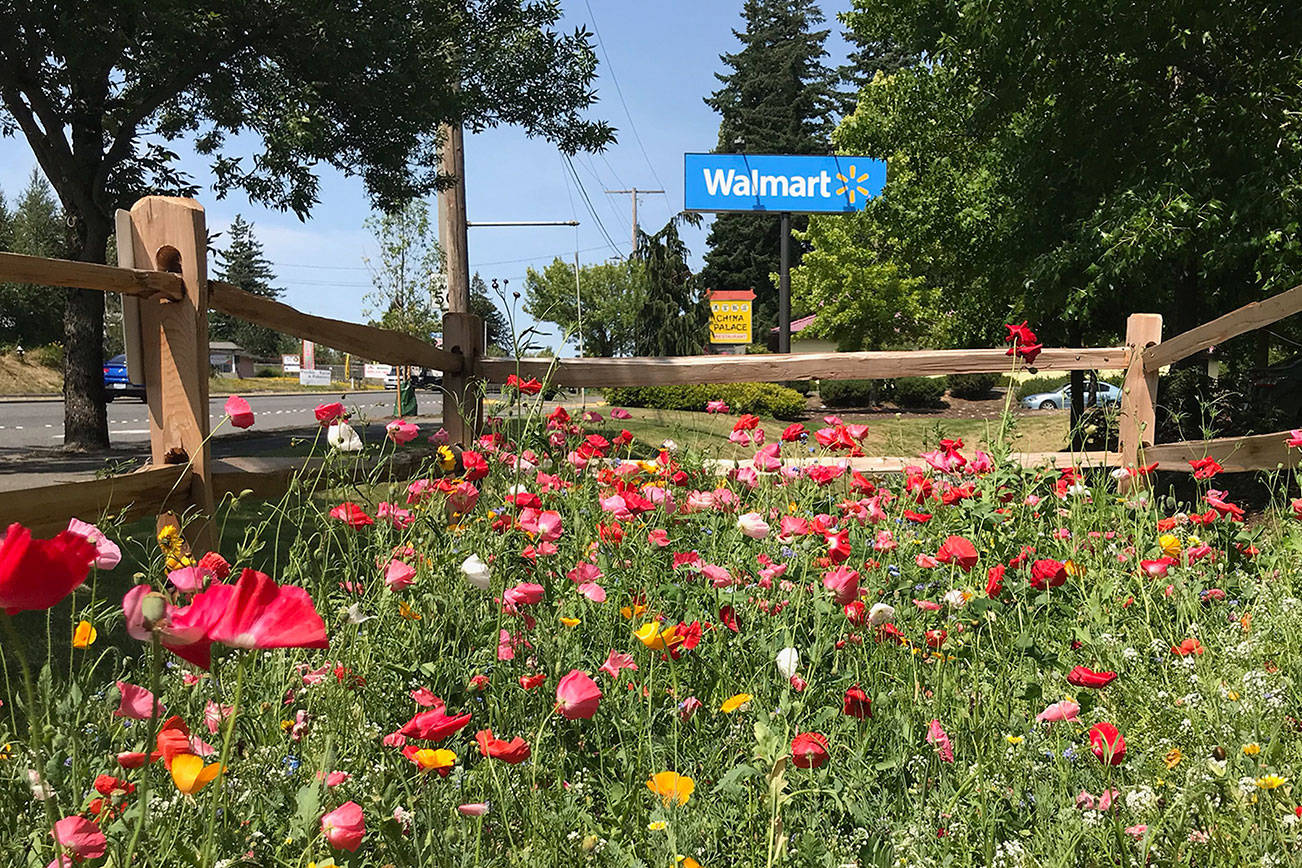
column 784, row 286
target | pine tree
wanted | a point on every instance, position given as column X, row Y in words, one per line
column 674, row 312
column 244, row 264
column 779, row 99
column 869, row 56
column 498, row 332
column 33, row 315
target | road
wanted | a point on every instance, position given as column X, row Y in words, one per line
column 40, row 423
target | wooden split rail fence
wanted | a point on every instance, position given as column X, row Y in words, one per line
column 162, row 245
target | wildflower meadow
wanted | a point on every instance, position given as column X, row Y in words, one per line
column 559, row 647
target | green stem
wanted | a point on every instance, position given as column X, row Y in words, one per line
column 206, row 855
column 155, row 668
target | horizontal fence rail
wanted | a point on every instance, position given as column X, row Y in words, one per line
column 17, row 268
column 1245, row 319
column 650, row 371
column 367, row 341
column 1235, row 454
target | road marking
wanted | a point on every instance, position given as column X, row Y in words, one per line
column 132, row 431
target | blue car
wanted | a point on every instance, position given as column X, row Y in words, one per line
column 1108, row 395
column 117, row 383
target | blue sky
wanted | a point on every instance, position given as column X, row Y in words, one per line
column 661, row 56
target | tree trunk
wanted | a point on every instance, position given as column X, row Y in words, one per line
column 85, row 420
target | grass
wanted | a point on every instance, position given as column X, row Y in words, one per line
column 235, row 386
column 27, row 376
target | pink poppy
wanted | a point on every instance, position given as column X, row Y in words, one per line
column 716, row 407
column 843, row 582
column 463, row 498
column 107, row 553
column 189, row 579
column 524, row 594
column 344, row 827
column 620, row 413
column 398, row 576
column 80, row 838
column 473, row 809
column 401, row 431
column 937, row 736
column 255, row 612
column 136, row 703
column 615, row 661
column 239, row 411
column 395, row 515
column 1065, row 711
column 435, row 724
column 594, row 592
column 577, row 696
column 658, row 537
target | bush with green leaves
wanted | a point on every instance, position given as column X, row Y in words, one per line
column 764, row 399
column 917, row 392
column 851, row 393
column 971, row 387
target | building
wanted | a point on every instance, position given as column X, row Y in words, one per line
column 228, row 359
column 799, row 344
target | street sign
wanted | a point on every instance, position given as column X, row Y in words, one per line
column 290, row 364
column 314, row 377
column 376, row 372
column 730, row 316
column 781, row 182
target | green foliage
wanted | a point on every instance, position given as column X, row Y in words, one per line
column 917, row 392
column 851, row 393
column 242, row 263
column 673, row 317
column 778, row 98
column 1074, row 168
column 612, row 295
column 1042, row 383
column 32, row 315
column 767, row 399
column 971, row 387
column 409, row 280
column 863, row 301
column 497, row 329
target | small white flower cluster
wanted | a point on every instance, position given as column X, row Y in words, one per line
column 1141, row 799
column 1009, row 854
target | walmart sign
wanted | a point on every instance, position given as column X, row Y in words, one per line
column 779, row 182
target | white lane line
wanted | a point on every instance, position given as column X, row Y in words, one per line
column 132, row 431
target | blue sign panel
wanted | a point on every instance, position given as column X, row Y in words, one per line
column 780, row 182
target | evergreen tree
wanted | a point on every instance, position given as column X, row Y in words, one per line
column 32, row 315
column 243, row 263
column 779, row 99
column 482, row 305
column 674, row 314
column 870, row 55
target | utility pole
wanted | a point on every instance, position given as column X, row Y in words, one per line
column 634, row 192
column 452, row 219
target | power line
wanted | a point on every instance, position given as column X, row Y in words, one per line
column 620, row 93
column 587, row 201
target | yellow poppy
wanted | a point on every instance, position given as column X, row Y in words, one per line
column 1173, row 757
column 671, row 787
column 650, row 635
column 1072, row 568
column 431, row 760
column 1170, row 544
column 630, row 614
column 447, row 459
column 84, row 636
column 570, row 622
column 1270, row 782
column 407, row 611
column 733, row 703
column 190, row 774
column 688, row 862
column 1252, row 749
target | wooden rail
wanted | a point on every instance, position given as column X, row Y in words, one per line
column 1235, row 454
column 1251, row 316
column 46, row 509
column 646, row 371
column 363, row 340
column 16, row 268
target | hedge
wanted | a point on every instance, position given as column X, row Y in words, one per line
column 765, row 399
column 905, row 392
column 971, row 387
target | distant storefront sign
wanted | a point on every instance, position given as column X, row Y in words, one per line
column 781, row 182
column 290, row 364
column 314, row 377
column 730, row 316
column 376, row 372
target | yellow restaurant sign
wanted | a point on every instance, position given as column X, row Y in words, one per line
column 730, row 316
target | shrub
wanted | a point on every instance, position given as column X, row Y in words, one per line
column 917, row 391
column 851, row 393
column 47, row 356
column 971, row 387
column 766, row 399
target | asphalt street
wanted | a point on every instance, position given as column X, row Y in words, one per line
column 40, row 423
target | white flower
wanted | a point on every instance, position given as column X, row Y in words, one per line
column 342, row 437
column 788, row 661
column 41, row 789
column 476, row 572
column 753, row 525
column 669, row 446
column 957, row 598
column 881, row 613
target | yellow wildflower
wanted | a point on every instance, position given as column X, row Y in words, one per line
column 570, row 622
column 1173, row 757
column 84, row 636
column 733, row 703
column 657, row 826
column 1014, row 739
column 1270, row 782
column 1252, row 749
column 650, row 635
column 671, row 787
column 1170, row 544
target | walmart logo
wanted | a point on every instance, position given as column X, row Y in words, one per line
column 852, row 184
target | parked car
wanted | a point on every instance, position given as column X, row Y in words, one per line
column 1107, row 395
column 421, row 378
column 391, row 380
column 117, row 384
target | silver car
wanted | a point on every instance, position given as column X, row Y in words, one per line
column 1107, row 395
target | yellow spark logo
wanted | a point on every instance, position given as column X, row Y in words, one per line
column 852, row 183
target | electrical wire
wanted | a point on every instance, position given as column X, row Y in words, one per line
column 587, row 201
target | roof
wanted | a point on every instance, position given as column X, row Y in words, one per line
column 798, row 325
column 225, row 345
column 732, row 295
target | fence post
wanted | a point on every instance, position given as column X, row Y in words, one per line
column 170, row 234
column 463, row 405
column 1138, row 415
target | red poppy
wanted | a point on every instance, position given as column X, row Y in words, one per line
column 215, row 564
column 919, row 517
column 957, row 550
column 1107, row 743
column 513, row 752
column 1047, row 572
column 936, row 638
column 476, row 468
column 809, row 750
column 529, row 682
column 327, row 413
column 1083, row 676
column 255, row 612
column 728, row 616
column 855, row 611
column 793, row 432
column 352, row 515
column 1205, row 468
column 995, row 580
column 37, row 573
column 838, row 546
column 434, row 724
column 1187, row 647
column 1019, row 334
column 857, row 703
